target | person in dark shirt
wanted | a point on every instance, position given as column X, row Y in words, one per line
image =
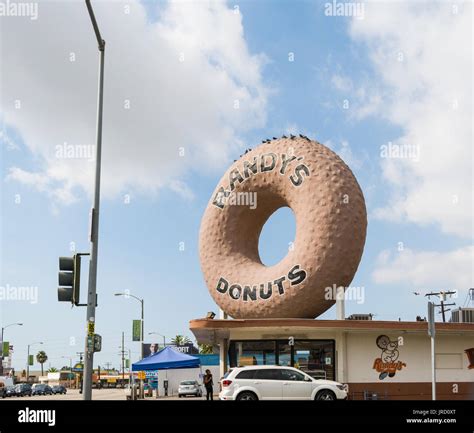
column 208, row 385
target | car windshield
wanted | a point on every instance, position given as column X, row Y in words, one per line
column 188, row 382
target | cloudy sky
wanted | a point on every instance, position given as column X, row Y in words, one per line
column 188, row 87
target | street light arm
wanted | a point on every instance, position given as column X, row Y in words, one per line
column 100, row 41
column 157, row 333
column 12, row 324
column 129, row 295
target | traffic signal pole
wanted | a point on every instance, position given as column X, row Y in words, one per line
column 94, row 234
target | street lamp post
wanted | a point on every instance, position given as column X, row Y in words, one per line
column 28, row 361
column 161, row 335
column 142, row 302
column 94, row 227
column 1, row 345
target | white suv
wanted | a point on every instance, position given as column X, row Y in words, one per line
column 270, row 382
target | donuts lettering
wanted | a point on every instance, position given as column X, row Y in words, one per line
column 265, row 290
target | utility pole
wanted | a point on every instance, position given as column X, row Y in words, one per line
column 442, row 296
column 432, row 333
column 94, row 225
column 123, row 359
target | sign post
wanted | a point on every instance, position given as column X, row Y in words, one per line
column 431, row 333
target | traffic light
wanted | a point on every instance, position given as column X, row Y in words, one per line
column 69, row 279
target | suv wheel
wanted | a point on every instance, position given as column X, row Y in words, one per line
column 325, row 394
column 246, row 395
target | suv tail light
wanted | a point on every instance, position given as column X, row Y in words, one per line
column 226, row 382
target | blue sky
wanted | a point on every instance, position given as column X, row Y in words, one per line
column 420, row 211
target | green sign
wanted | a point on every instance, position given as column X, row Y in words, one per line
column 30, row 360
column 137, row 330
column 127, row 363
column 6, row 348
column 90, row 343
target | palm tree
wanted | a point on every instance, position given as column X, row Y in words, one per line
column 41, row 357
column 206, row 349
column 52, row 370
column 180, row 340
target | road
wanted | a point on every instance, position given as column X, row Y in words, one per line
column 97, row 394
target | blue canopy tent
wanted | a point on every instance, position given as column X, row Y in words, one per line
column 167, row 359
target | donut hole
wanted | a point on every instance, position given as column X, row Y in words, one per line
column 277, row 236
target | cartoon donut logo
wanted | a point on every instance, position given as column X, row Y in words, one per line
column 387, row 364
column 331, row 222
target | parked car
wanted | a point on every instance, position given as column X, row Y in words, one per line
column 23, row 389
column 189, row 387
column 10, row 391
column 266, row 382
column 42, row 389
column 59, row 389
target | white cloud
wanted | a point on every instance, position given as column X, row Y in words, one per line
column 180, row 76
column 426, row 269
column 341, row 83
column 422, row 58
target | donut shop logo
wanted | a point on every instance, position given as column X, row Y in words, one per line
column 264, row 163
column 387, row 364
column 264, row 291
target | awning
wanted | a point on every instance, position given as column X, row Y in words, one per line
column 166, row 359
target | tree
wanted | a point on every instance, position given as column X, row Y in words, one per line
column 180, row 340
column 41, row 357
column 206, row 349
column 52, row 370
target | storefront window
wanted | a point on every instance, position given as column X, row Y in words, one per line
column 254, row 353
column 284, row 353
column 315, row 357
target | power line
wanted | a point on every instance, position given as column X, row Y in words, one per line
column 442, row 296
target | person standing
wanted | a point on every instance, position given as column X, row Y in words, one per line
column 208, row 385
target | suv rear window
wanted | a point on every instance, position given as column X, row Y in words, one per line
column 227, row 373
column 268, row 374
column 246, row 374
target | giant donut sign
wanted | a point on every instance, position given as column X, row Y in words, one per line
column 331, row 222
